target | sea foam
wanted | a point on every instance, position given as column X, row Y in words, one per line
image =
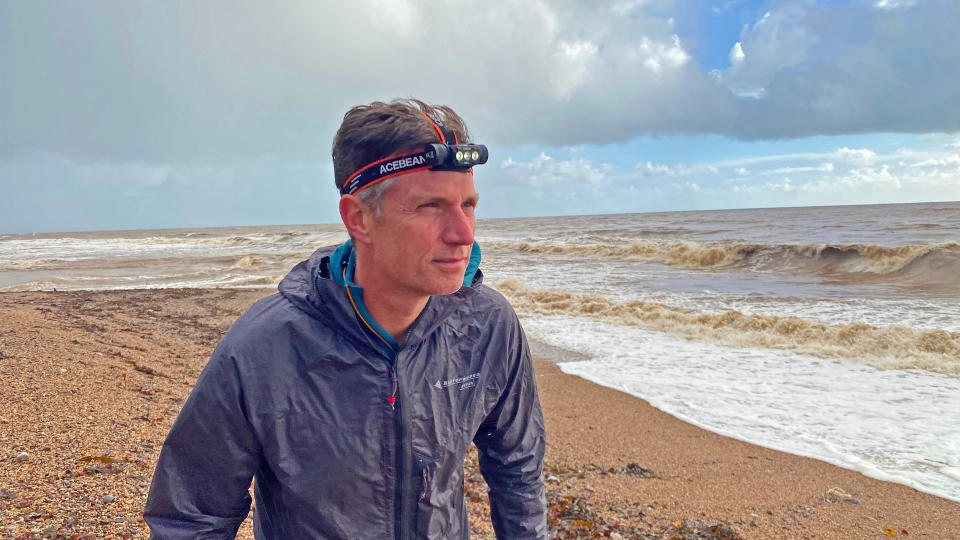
column 897, row 347
column 901, row 426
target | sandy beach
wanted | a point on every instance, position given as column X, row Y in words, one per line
column 91, row 382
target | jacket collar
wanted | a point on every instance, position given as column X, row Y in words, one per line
column 319, row 286
column 344, row 257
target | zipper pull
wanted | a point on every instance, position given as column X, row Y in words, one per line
column 392, row 398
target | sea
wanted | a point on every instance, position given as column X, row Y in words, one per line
column 827, row 332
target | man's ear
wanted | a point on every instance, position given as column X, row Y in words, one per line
column 357, row 218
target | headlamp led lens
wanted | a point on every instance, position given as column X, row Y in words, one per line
column 459, row 155
column 475, row 155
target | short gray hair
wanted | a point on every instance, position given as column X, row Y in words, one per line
column 373, row 196
column 379, row 130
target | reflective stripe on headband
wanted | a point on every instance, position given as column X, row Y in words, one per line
column 389, row 167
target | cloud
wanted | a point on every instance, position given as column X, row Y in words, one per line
column 736, row 54
column 826, row 69
column 217, row 80
column 854, row 154
column 842, row 175
column 944, row 162
column 211, row 80
column 543, row 170
column 687, row 186
column 826, row 167
column 650, row 169
column 895, row 4
column 136, row 101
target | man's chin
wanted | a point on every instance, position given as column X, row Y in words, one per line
column 447, row 287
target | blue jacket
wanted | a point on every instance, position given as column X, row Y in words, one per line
column 297, row 396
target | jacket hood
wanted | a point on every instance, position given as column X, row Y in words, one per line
column 317, row 287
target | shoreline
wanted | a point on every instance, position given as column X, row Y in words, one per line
column 881, row 476
column 93, row 379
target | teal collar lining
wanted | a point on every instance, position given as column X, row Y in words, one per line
column 344, row 277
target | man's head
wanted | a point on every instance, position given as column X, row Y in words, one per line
column 413, row 232
column 372, row 132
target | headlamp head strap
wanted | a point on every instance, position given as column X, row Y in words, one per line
column 388, row 167
column 446, row 136
column 448, row 155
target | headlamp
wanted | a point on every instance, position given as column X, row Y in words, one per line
column 451, row 157
column 437, row 156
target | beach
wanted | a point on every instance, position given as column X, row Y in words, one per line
column 92, row 381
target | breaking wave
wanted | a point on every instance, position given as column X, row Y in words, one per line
column 35, row 264
column 286, row 236
column 321, row 243
column 40, row 285
column 891, row 347
column 260, row 281
column 248, row 261
column 825, row 259
column 207, row 240
column 232, row 241
column 684, row 254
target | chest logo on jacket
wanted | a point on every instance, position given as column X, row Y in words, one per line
column 464, row 382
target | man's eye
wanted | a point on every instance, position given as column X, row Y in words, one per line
column 428, row 205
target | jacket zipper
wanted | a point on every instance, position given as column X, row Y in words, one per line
column 398, row 503
column 406, row 468
column 404, row 447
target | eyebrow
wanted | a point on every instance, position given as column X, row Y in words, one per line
column 475, row 198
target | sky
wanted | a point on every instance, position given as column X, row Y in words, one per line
column 133, row 115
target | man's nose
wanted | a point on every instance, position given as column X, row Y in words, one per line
column 459, row 228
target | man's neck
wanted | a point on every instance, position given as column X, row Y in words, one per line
column 393, row 310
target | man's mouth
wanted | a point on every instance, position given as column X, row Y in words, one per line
column 450, row 262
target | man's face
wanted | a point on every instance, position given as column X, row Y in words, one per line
column 421, row 245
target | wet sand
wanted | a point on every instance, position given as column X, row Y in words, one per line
column 90, row 382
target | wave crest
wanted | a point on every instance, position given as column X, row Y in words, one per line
column 34, row 264
column 824, row 259
column 893, row 347
column 248, row 261
column 232, row 241
column 684, row 254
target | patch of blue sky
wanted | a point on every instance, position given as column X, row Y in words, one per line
column 715, row 27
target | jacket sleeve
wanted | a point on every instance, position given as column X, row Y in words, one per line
column 200, row 486
column 511, row 444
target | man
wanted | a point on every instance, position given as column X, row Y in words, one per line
column 353, row 395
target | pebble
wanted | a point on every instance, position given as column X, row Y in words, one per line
column 552, row 478
column 108, row 498
column 853, row 500
column 616, row 536
column 23, row 456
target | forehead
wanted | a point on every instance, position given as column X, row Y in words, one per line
column 434, row 184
